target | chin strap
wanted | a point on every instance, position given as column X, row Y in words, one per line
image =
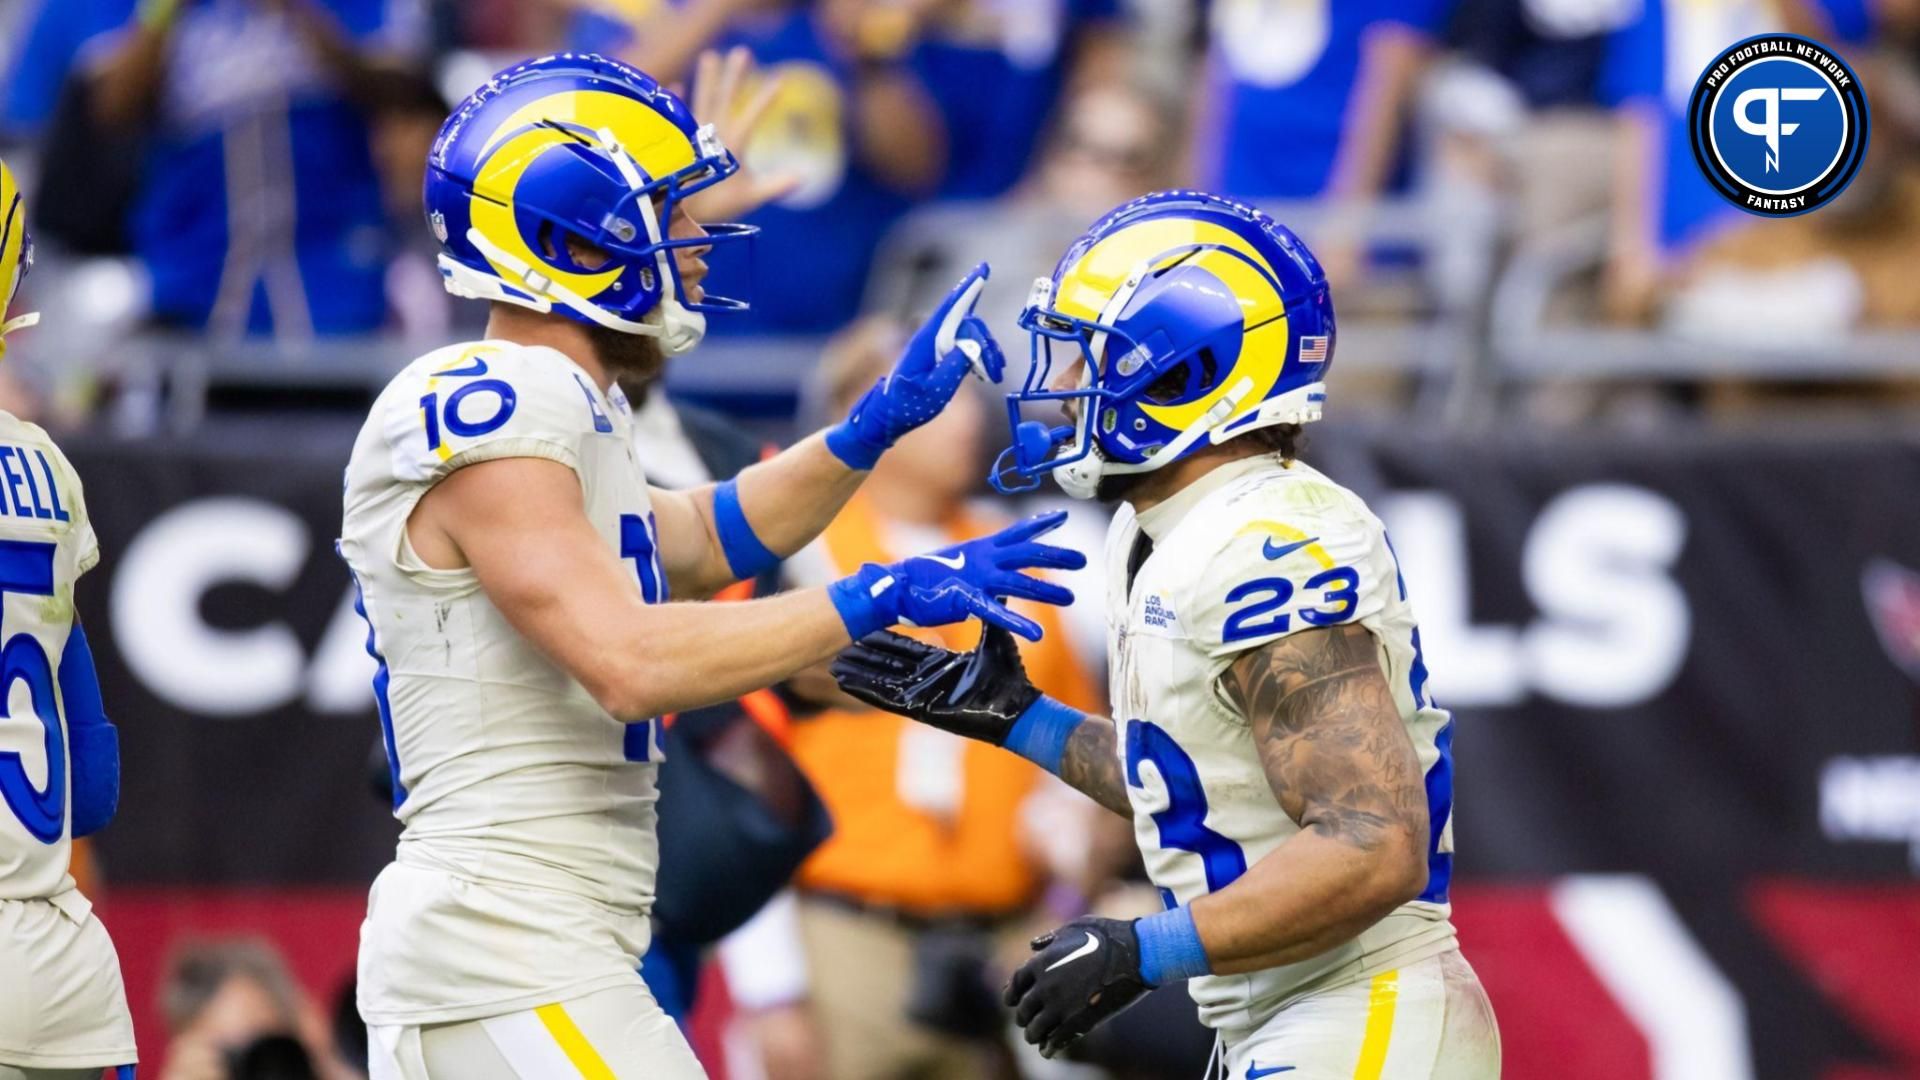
column 18, row 322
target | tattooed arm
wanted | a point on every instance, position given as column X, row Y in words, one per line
column 1091, row 763
column 1339, row 761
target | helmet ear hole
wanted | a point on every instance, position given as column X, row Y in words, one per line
column 563, row 248
column 1184, row 381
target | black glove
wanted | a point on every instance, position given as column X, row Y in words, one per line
column 977, row 694
column 1084, row 972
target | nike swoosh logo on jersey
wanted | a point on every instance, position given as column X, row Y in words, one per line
column 1255, row 1072
column 1092, row 944
column 955, row 561
column 1282, row 552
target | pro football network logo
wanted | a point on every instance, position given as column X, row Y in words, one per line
column 1779, row 124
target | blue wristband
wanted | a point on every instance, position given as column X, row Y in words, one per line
column 1170, row 948
column 1040, row 734
column 746, row 556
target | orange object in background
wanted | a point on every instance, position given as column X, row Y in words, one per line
column 893, row 853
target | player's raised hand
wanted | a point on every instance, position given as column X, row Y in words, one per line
column 965, row 580
column 731, row 94
column 977, row 694
column 929, row 372
column 1079, row 975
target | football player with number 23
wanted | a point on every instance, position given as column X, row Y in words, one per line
column 1287, row 772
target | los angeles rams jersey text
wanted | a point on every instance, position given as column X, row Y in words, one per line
column 1251, row 552
column 525, row 868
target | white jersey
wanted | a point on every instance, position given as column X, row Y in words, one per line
column 1251, row 552
column 525, row 868
column 61, row 1000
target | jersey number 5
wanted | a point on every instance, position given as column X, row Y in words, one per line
column 27, row 567
column 1183, row 824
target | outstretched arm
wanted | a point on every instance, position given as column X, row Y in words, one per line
column 985, row 694
column 727, row 532
column 713, row 536
column 1339, row 761
column 554, row 577
column 521, row 525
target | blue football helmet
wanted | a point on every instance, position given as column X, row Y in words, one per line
column 16, row 254
column 577, row 146
column 1194, row 319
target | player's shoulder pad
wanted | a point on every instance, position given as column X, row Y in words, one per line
column 469, row 403
column 1276, row 554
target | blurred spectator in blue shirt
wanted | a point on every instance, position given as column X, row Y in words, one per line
column 1661, row 203
column 1549, row 51
column 1305, row 98
column 1519, row 135
column 850, row 126
column 996, row 68
column 47, row 36
column 259, row 209
column 1308, row 99
column 1108, row 142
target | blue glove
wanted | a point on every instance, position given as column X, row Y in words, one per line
column 936, row 358
column 958, row 582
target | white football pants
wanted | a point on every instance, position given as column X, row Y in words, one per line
column 619, row 1032
column 1429, row 1020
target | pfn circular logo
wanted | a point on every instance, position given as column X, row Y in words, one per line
column 1779, row 124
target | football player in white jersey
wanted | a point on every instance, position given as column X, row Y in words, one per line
column 63, row 1010
column 516, row 573
column 1289, row 777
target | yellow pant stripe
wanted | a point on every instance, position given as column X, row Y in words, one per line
column 581, row 1052
column 1381, row 999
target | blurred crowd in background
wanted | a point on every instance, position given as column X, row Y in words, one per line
column 1501, row 191
column 1474, row 173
